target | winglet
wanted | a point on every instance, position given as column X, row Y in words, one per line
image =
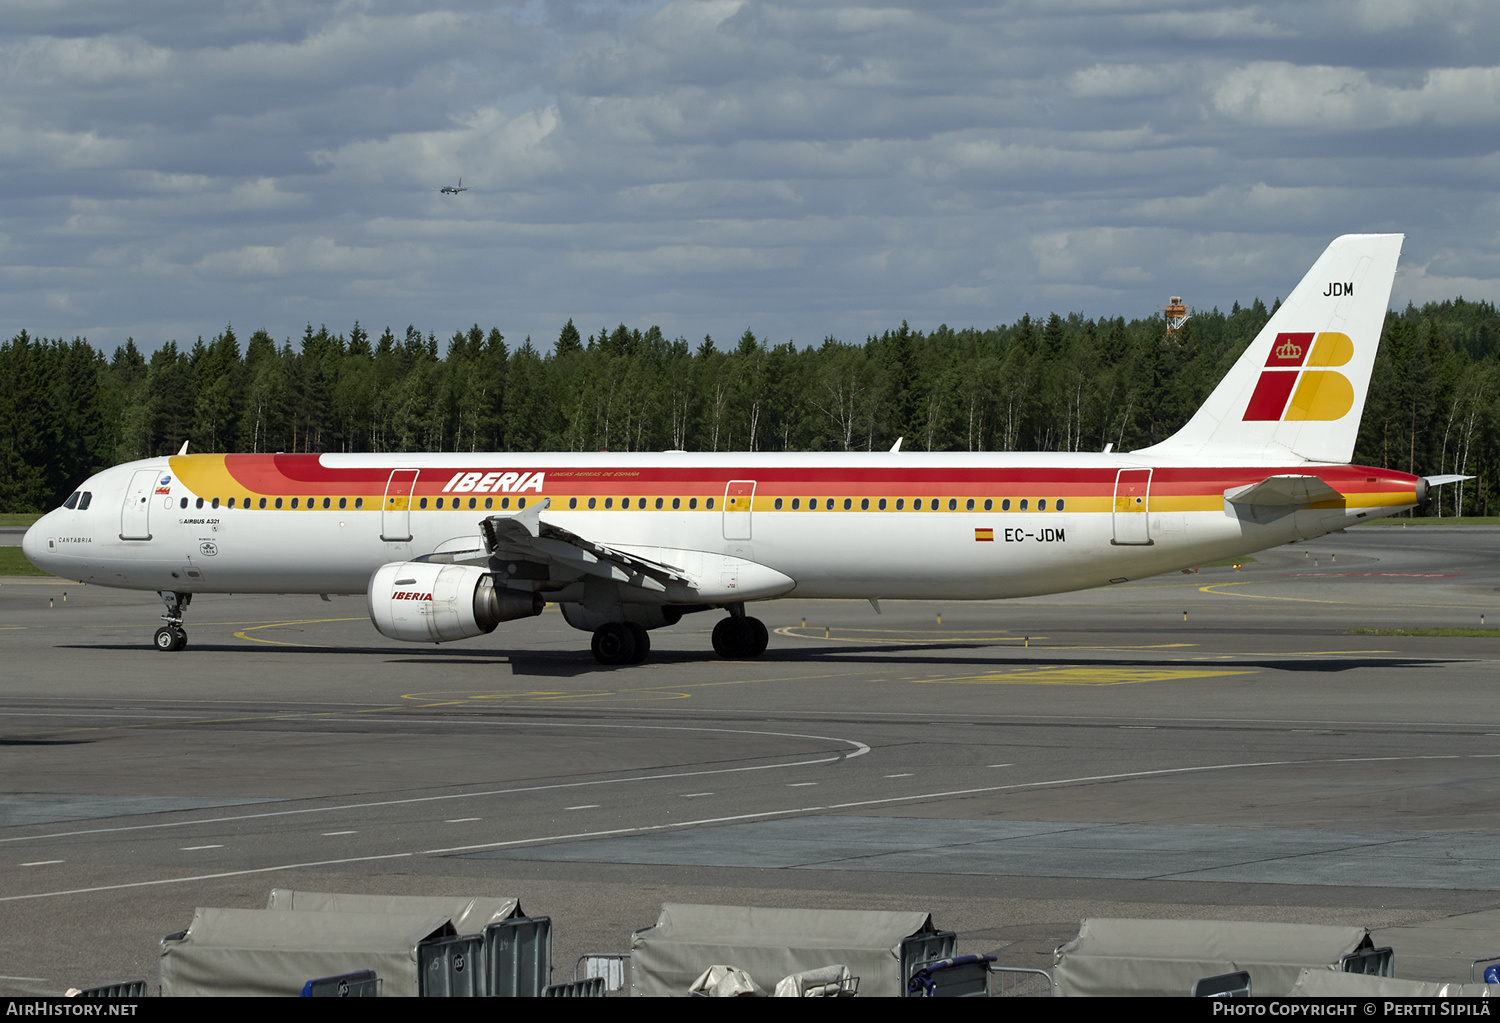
column 184, row 451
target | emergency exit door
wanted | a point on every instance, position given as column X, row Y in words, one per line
column 1132, row 507
column 395, row 513
column 739, row 499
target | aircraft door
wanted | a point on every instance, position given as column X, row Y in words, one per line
column 395, row 513
column 1132, row 506
column 135, row 513
column 739, row 498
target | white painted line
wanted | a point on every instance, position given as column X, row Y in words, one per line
column 42, row 863
column 800, row 784
column 789, row 812
column 695, row 795
column 860, row 749
column 333, row 834
column 198, row 848
column 585, row 806
column 463, row 820
column 900, row 776
column 1002, row 765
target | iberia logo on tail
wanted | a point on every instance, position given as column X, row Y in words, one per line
column 1298, row 381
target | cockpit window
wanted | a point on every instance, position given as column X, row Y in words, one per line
column 84, row 499
column 72, row 501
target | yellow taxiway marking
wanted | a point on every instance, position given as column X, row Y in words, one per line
column 842, row 635
column 444, row 698
column 1079, row 675
column 1214, row 589
column 276, row 625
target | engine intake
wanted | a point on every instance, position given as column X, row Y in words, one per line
column 423, row 602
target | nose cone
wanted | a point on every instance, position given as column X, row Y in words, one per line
column 34, row 544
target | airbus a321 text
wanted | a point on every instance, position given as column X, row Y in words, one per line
column 449, row 546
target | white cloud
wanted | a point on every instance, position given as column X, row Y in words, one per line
column 1278, row 94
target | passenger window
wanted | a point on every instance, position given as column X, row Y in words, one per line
column 882, row 504
column 900, row 504
column 489, row 502
column 1005, row 505
column 676, row 503
column 709, row 504
column 420, row 504
column 473, row 502
column 692, row 504
column 294, row 502
column 988, row 504
column 72, row 501
column 572, row 502
column 1059, row 504
column 310, row 502
column 1041, row 505
column 864, row 504
column 343, row 503
column 215, row 503
column 659, row 503
column 439, row 503
column 262, row 502
column 591, row 501
column 505, row 504
column 199, row 503
column 278, row 502
column 327, row 502
column 1023, row 504
column 609, row 502
column 359, row 502
column 916, row 505
column 520, row 502
column 970, row 505
column 778, row 504
column 848, row 503
column 953, row 504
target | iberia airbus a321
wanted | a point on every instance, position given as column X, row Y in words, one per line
column 448, row 546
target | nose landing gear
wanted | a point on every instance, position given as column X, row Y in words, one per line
column 172, row 636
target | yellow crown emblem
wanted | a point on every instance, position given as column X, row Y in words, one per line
column 1289, row 351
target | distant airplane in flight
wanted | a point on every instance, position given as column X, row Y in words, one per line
column 449, row 545
column 454, row 189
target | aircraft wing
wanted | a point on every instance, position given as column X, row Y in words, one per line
column 1282, row 493
column 523, row 536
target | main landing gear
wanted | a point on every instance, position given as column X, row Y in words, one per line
column 740, row 638
column 621, row 643
column 172, row 636
column 736, row 638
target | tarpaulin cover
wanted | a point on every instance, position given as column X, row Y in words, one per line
column 1337, row 984
column 470, row 914
column 770, row 944
column 275, row 952
column 1164, row 957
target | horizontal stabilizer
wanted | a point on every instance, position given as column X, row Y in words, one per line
column 1437, row 481
column 1283, row 492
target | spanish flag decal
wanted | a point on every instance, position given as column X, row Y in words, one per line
column 984, row 535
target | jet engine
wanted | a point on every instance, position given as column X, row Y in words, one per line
column 423, row 602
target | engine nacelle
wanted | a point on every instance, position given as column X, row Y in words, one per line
column 424, row 602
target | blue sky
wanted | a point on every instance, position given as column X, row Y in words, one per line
column 802, row 169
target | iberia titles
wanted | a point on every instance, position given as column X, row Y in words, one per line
column 495, row 482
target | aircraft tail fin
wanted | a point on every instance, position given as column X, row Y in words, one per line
column 1298, row 392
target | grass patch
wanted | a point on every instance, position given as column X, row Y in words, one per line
column 13, row 562
column 18, row 518
column 1475, row 633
